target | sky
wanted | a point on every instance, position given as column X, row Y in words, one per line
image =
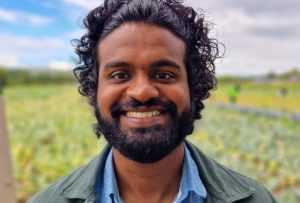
column 259, row 36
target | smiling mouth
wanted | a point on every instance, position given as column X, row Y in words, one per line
column 147, row 114
column 143, row 118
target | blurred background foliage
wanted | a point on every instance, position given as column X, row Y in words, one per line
column 13, row 77
column 250, row 124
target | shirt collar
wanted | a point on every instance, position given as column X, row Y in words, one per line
column 190, row 179
column 109, row 184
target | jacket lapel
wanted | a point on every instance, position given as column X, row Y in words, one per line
column 220, row 182
column 82, row 183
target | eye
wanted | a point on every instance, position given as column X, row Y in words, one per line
column 163, row 76
column 120, row 75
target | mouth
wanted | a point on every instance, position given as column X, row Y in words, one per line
column 143, row 118
column 147, row 114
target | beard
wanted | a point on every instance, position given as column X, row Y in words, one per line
column 151, row 144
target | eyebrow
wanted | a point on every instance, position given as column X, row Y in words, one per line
column 155, row 64
column 116, row 64
column 164, row 62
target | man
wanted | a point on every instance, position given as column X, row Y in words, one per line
column 146, row 67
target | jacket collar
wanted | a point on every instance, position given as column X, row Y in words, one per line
column 219, row 181
column 81, row 184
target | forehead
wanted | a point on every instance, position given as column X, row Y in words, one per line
column 139, row 38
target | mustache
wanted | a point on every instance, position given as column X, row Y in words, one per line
column 168, row 106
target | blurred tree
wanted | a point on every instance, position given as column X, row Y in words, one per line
column 290, row 74
column 44, row 76
column 3, row 79
column 271, row 76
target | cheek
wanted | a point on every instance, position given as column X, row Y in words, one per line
column 106, row 97
column 180, row 96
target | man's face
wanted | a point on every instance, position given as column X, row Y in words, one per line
column 143, row 96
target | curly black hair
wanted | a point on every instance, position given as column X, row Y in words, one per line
column 183, row 21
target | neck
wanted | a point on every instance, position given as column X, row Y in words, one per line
column 154, row 182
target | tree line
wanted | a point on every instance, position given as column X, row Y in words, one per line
column 11, row 77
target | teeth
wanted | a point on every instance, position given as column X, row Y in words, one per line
column 142, row 114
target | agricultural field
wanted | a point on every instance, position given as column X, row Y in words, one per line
column 270, row 96
column 51, row 134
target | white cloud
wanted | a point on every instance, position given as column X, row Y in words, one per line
column 36, row 20
column 76, row 34
column 11, row 42
column 8, row 16
column 20, row 17
column 25, row 51
column 61, row 65
column 8, row 60
column 258, row 36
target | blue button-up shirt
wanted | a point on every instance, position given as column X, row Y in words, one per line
column 191, row 187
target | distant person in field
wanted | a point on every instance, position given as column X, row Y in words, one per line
column 233, row 92
column 147, row 66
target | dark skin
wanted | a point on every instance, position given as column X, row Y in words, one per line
column 143, row 61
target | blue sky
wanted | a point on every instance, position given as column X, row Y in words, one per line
column 33, row 18
column 260, row 36
column 37, row 33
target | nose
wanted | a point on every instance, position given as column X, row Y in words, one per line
column 142, row 89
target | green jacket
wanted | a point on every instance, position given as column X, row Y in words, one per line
column 221, row 184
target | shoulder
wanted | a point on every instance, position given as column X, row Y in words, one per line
column 55, row 192
column 259, row 194
column 225, row 184
column 79, row 184
column 51, row 194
